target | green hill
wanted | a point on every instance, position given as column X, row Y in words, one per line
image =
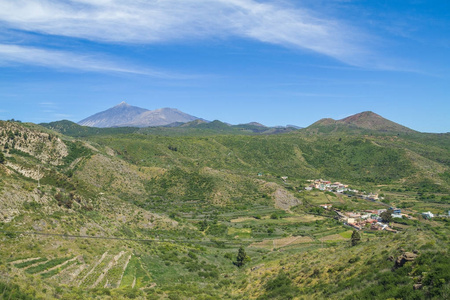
column 161, row 213
column 194, row 128
column 365, row 122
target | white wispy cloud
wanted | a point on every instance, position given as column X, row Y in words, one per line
column 48, row 104
column 18, row 54
column 156, row 21
column 62, row 116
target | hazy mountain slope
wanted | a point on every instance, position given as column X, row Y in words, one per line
column 160, row 117
column 125, row 115
column 118, row 115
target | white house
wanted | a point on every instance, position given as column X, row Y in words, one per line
column 428, row 215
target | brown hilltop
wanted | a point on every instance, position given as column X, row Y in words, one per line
column 364, row 120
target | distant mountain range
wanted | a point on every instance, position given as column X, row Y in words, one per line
column 125, row 115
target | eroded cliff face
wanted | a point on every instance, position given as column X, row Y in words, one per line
column 45, row 147
column 282, row 198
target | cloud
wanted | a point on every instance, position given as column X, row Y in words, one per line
column 62, row 116
column 17, row 54
column 48, row 104
column 155, row 21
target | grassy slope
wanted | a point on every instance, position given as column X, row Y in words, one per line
column 204, row 196
column 377, row 159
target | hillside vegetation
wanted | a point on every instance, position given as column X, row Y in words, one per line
column 192, row 213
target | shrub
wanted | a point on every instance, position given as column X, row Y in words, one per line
column 228, row 255
column 356, row 238
column 280, row 287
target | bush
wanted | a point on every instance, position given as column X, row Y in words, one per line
column 280, row 287
column 228, row 255
column 356, row 238
column 13, row 291
column 274, row 216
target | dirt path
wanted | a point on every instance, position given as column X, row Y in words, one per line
column 111, row 264
column 291, row 241
column 93, row 268
column 23, row 260
column 73, row 274
column 283, row 242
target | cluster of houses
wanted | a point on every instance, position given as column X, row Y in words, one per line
column 358, row 220
column 365, row 219
column 325, row 185
column 337, row 187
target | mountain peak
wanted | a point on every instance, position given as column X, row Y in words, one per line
column 373, row 121
column 365, row 115
column 126, row 115
column 255, row 124
column 364, row 120
column 123, row 104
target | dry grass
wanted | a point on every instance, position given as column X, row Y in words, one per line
column 333, row 237
column 283, row 242
column 242, row 219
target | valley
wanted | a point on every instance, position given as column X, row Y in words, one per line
column 162, row 213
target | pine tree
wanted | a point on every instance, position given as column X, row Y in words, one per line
column 2, row 158
column 203, row 225
column 241, row 258
column 356, row 238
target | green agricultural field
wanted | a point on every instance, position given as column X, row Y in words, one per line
column 239, row 232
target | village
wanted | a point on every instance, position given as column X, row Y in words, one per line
column 371, row 219
column 337, row 187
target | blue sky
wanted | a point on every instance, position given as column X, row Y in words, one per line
column 276, row 62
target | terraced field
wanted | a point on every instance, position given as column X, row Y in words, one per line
column 272, row 244
column 110, row 270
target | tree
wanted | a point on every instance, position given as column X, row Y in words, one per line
column 356, row 238
column 2, row 158
column 203, row 225
column 386, row 216
column 242, row 257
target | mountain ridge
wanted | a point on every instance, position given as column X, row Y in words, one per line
column 116, row 116
column 126, row 115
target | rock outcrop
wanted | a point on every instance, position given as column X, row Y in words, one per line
column 402, row 259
